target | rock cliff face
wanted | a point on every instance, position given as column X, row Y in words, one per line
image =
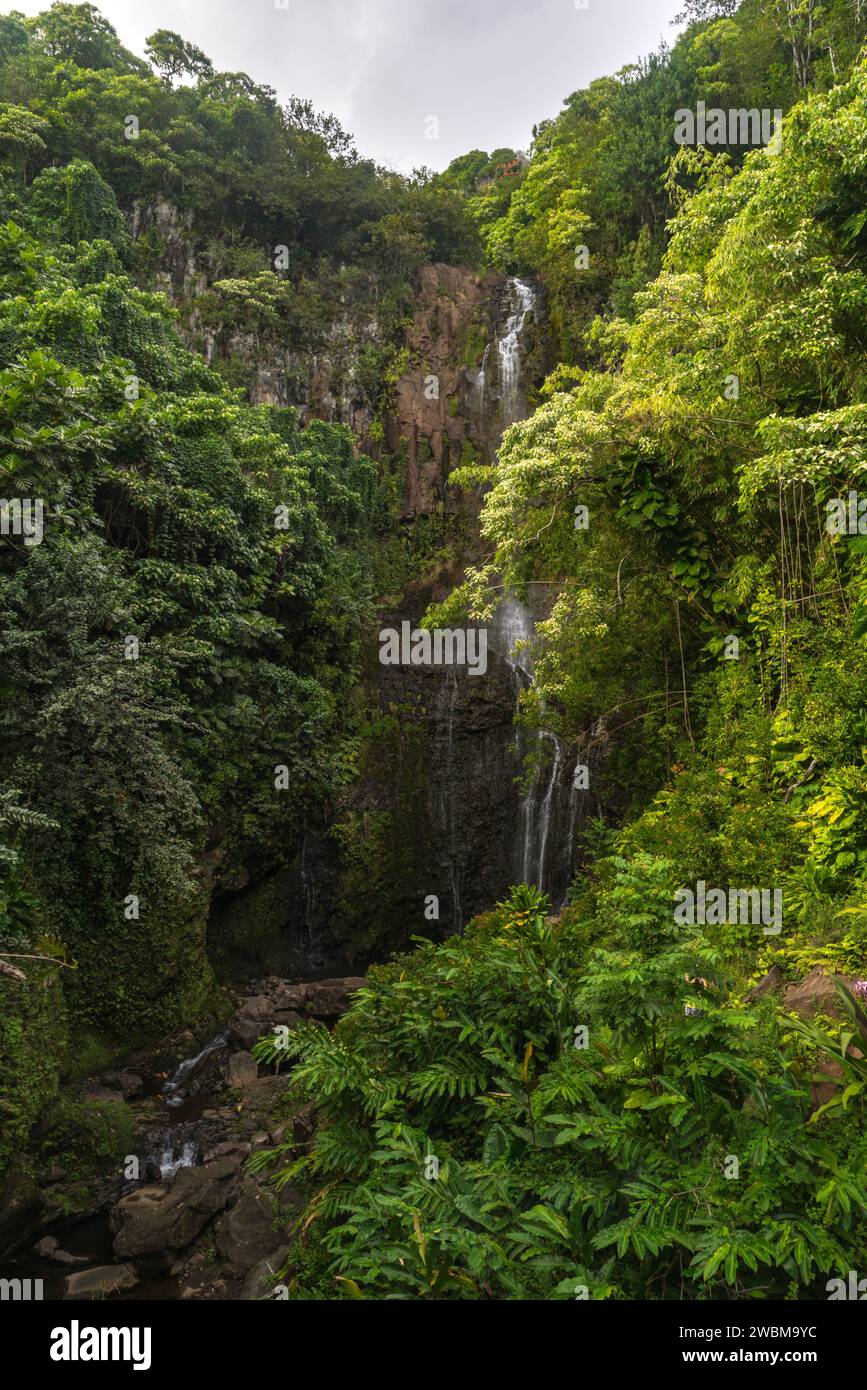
column 435, row 421
column 476, row 343
column 444, row 819
column 439, row 825
column 473, row 345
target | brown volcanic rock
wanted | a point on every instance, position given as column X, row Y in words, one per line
column 331, row 998
column 815, row 994
column 154, row 1220
column 97, row 1283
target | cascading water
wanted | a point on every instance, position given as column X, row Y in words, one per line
column 543, row 806
column 308, row 884
column 522, row 301
column 506, row 349
column 176, row 1145
column 448, row 696
column 176, row 1088
column 174, row 1153
column 549, row 806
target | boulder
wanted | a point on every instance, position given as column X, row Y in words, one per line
column 292, row 997
column 260, row 1280
column 102, row 1093
column 298, row 1129
column 245, row 1032
column 96, row 1283
column 233, row 1149
column 304, row 1123
column 815, row 994
column 330, row 998
column 821, row 1091
column 773, row 980
column 245, row 1233
column 159, row 1219
column 241, row 1070
column 287, row 1018
column 257, row 1006
column 127, row 1082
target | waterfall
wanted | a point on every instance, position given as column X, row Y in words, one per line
column 545, row 812
column 447, row 698
column 173, row 1157
column 544, row 804
column 522, row 301
column 175, row 1089
column 308, row 884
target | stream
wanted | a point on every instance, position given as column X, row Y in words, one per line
column 206, row 1114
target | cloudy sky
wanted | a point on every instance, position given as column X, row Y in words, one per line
column 486, row 69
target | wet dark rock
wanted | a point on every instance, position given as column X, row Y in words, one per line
column 259, row 1283
column 241, row 1070
column 158, row 1219
column 129, row 1083
column 291, row 997
column 257, row 1006
column 304, row 1123
column 331, row 998
column 232, row 1149
column 245, row 1032
column 245, row 1233
column 287, row 1018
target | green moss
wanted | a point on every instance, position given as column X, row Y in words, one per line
column 364, row 839
column 33, row 1041
column 138, row 980
column 379, row 850
column 474, row 342
column 245, row 929
column 91, row 1051
column 89, row 1138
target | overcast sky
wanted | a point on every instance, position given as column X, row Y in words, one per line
column 487, row 69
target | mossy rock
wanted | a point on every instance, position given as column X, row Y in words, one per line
column 245, row 930
column 88, row 1137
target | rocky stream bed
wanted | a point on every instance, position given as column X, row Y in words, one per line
column 192, row 1222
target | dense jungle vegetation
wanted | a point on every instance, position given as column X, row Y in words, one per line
column 588, row 1105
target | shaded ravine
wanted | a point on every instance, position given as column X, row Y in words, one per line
column 182, row 1216
column 549, row 805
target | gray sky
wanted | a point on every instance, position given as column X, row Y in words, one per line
column 487, row 69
